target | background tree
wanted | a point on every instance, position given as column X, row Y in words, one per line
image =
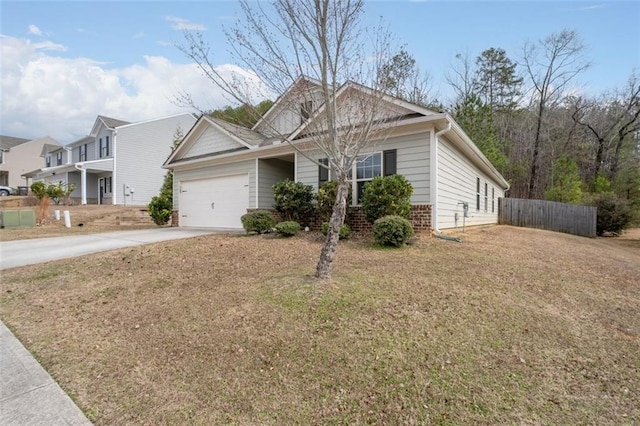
column 551, row 64
column 497, row 82
column 324, row 40
column 566, row 183
column 477, row 120
column 401, row 77
column 243, row 115
column 161, row 205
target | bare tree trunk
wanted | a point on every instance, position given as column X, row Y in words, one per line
column 323, row 269
column 536, row 153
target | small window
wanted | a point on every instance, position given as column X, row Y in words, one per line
column 48, row 161
column 366, row 167
column 478, row 194
column 59, row 159
column 323, row 172
column 1, row 157
column 104, row 147
column 486, row 196
column 83, row 153
column 305, row 110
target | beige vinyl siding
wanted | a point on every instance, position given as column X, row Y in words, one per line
column 288, row 119
column 457, row 183
column 412, row 162
column 24, row 158
column 242, row 167
column 271, row 171
column 307, row 171
column 212, row 140
column 141, row 149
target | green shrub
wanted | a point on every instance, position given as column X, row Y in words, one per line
column 160, row 209
column 385, row 196
column 392, row 231
column 288, row 228
column 614, row 214
column 326, row 198
column 260, row 222
column 343, row 234
column 39, row 189
column 56, row 191
column 293, row 200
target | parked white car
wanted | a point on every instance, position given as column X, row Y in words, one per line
column 6, row 190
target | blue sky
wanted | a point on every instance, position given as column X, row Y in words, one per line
column 63, row 63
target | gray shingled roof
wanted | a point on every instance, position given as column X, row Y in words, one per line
column 8, row 142
column 112, row 123
column 249, row 136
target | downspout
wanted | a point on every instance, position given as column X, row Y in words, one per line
column 83, row 182
column 114, row 184
column 434, row 177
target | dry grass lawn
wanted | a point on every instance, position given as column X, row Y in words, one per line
column 511, row 326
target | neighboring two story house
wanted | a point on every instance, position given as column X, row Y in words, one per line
column 118, row 163
column 222, row 170
column 19, row 156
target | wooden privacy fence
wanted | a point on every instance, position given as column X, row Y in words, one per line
column 541, row 214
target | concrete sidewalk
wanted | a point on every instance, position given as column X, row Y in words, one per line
column 28, row 395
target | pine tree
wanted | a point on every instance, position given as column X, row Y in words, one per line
column 497, row 82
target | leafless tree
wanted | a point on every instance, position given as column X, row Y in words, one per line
column 609, row 120
column 324, row 40
column 551, row 65
column 462, row 78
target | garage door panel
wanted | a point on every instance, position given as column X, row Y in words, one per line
column 215, row 202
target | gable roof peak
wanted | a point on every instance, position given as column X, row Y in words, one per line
column 112, row 123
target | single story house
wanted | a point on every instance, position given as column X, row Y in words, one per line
column 118, row 163
column 222, row 170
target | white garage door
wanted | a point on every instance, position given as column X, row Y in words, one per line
column 214, row 203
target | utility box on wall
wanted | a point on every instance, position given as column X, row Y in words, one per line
column 18, row 218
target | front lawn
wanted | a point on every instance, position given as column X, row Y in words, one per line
column 511, row 326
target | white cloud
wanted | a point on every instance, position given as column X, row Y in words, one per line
column 49, row 45
column 44, row 94
column 182, row 24
column 139, row 35
column 34, row 30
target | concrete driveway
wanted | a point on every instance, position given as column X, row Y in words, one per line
column 30, row 252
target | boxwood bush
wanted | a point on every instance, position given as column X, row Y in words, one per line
column 288, row 228
column 259, row 221
column 293, row 200
column 385, row 196
column 392, row 231
column 344, row 233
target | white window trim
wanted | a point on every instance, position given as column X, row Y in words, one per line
column 354, row 172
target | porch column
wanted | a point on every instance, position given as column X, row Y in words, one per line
column 83, row 184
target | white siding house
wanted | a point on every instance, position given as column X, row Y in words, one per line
column 447, row 171
column 119, row 162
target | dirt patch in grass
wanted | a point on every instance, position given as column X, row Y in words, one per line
column 510, row 326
